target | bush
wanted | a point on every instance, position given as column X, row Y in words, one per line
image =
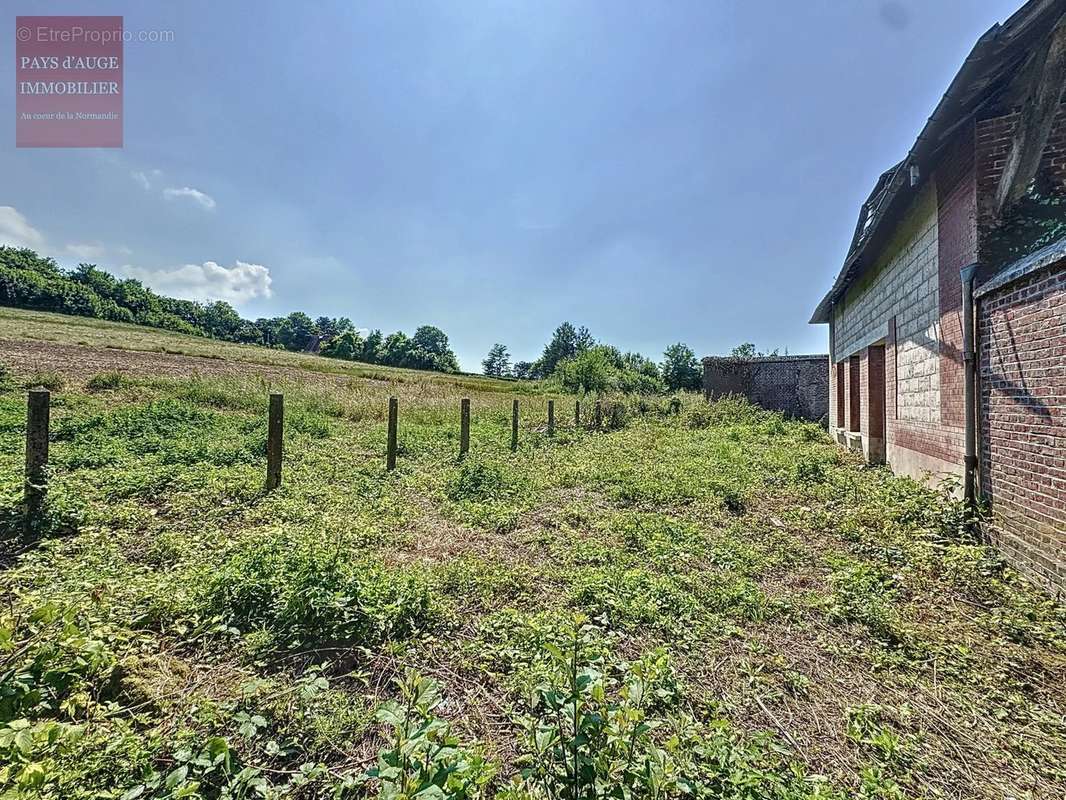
column 422, row 757
column 477, row 481
column 728, row 410
column 49, row 379
column 305, row 595
column 590, row 372
column 102, row 381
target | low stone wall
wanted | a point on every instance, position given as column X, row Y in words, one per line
column 795, row 385
column 1022, row 339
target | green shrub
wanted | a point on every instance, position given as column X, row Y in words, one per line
column 601, row 727
column 304, row 595
column 810, row 470
column 53, row 655
column 728, row 410
column 48, row 379
column 477, row 480
column 103, row 381
column 422, row 758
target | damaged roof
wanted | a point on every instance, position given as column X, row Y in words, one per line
column 988, row 69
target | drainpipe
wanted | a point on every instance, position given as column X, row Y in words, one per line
column 969, row 356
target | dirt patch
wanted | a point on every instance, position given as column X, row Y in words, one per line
column 78, row 363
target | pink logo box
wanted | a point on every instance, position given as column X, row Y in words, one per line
column 68, row 81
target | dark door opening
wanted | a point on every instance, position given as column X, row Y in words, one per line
column 854, row 378
column 875, row 404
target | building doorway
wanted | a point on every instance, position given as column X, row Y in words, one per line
column 875, row 404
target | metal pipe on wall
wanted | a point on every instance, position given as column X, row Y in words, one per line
column 969, row 355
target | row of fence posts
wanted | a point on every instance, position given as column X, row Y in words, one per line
column 37, row 420
column 464, row 426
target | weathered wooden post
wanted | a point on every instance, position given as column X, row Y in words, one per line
column 38, row 404
column 275, row 430
column 390, row 453
column 551, row 417
column 616, row 416
column 514, row 424
column 464, row 427
column 577, row 413
column 597, row 415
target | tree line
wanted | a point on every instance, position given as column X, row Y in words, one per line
column 572, row 357
column 29, row 280
column 583, row 365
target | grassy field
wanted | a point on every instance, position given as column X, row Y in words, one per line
column 706, row 602
column 33, row 336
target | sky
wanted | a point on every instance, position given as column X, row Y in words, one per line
column 659, row 172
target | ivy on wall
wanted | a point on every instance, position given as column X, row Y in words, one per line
column 1035, row 221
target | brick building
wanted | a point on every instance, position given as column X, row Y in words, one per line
column 961, row 248
column 798, row 386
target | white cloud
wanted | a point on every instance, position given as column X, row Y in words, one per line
column 87, row 251
column 145, row 178
column 207, row 281
column 15, row 231
column 205, row 200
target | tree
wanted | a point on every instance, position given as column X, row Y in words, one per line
column 566, row 342
column 333, row 327
column 396, row 350
column 523, row 370
column 249, row 333
column 348, row 345
column 747, row 350
column 221, row 320
column 430, row 350
column 270, row 329
column 680, row 369
column 373, row 347
column 589, row 372
column 635, row 362
column 497, row 363
column 297, row 331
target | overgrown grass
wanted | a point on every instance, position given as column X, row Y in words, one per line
column 726, row 603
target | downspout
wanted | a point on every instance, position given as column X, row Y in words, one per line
column 969, row 356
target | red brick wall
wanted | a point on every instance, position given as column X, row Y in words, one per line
column 1022, row 336
column 956, row 190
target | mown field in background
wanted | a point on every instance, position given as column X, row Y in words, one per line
column 20, row 329
column 726, row 604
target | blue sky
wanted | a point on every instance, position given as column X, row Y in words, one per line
column 658, row 172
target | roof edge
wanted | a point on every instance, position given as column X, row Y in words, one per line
column 927, row 141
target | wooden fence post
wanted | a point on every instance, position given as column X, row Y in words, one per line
column 577, row 413
column 551, row 417
column 464, row 427
column 598, row 414
column 36, row 480
column 514, row 424
column 275, row 431
column 390, row 454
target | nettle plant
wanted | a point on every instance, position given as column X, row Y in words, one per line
column 590, row 730
column 422, row 759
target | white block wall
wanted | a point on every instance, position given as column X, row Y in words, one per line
column 903, row 284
